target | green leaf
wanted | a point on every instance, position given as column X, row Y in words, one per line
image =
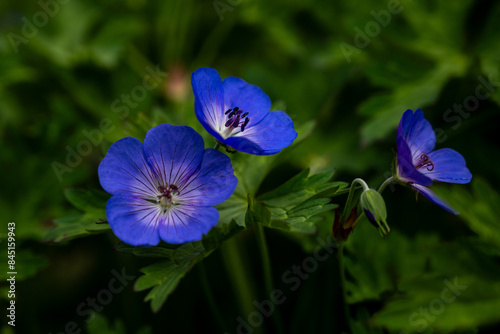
column 233, row 209
column 459, row 290
column 219, row 234
column 478, row 208
column 257, row 213
column 93, row 204
column 86, row 200
column 374, row 265
column 163, row 277
column 294, row 205
column 251, row 171
column 300, row 188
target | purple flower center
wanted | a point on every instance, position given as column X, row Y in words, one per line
column 166, row 193
column 236, row 118
column 425, row 161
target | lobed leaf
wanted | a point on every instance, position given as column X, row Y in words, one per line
column 93, row 204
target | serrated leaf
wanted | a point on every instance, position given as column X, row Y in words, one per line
column 257, row 213
column 93, row 204
column 163, row 277
column 78, row 226
column 300, row 188
column 233, row 209
column 251, row 171
column 301, row 219
column 294, row 205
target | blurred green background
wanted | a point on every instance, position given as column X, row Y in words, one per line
column 74, row 71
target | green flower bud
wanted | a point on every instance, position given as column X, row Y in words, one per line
column 373, row 206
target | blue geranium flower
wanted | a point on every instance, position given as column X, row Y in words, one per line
column 238, row 114
column 165, row 188
column 418, row 165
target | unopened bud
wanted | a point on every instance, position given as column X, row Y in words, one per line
column 374, row 208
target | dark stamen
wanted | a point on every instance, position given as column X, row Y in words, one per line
column 245, row 124
column 167, row 191
column 425, row 162
column 236, row 121
column 235, row 116
column 173, row 188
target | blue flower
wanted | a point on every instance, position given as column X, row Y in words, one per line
column 165, row 188
column 418, row 165
column 238, row 114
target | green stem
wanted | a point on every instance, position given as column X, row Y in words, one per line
column 268, row 275
column 210, row 296
column 385, row 184
column 217, row 145
column 264, row 253
column 239, row 277
column 350, row 196
column 362, row 183
column 340, row 258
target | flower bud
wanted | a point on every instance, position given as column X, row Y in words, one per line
column 374, row 208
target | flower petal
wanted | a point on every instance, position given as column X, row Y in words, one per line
column 418, row 133
column 406, row 170
column 271, row 135
column 134, row 220
column 124, row 170
column 247, row 97
column 188, row 223
column 427, row 192
column 449, row 166
column 209, row 99
column 173, row 152
column 212, row 184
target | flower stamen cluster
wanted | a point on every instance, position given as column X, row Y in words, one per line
column 167, row 195
column 425, row 161
column 234, row 120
